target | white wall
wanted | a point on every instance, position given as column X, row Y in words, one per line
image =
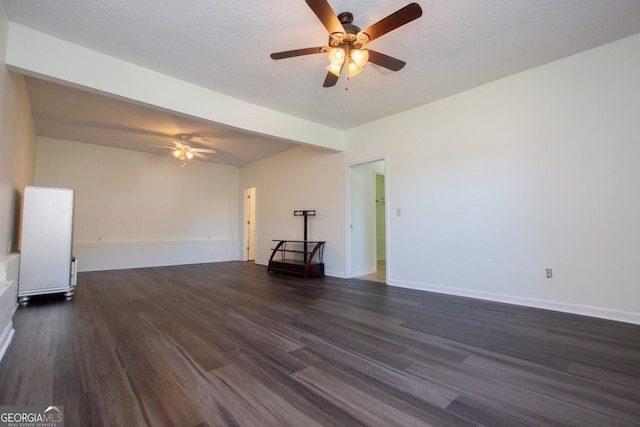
column 17, row 146
column 538, row 170
column 535, row 171
column 300, row 178
column 136, row 209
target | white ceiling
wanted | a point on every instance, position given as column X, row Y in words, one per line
column 225, row 46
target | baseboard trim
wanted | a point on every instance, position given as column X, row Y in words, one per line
column 583, row 310
column 97, row 256
column 335, row 274
column 364, row 272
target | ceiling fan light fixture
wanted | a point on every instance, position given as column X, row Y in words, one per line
column 189, row 155
column 336, row 56
column 346, row 40
column 360, row 57
column 334, row 69
column 177, row 153
column 353, row 69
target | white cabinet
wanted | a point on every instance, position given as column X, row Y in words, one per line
column 46, row 243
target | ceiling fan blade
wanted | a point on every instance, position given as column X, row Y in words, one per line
column 385, row 61
column 203, row 150
column 326, row 15
column 396, row 19
column 198, row 155
column 163, row 146
column 299, row 52
column 331, row 79
column 203, row 140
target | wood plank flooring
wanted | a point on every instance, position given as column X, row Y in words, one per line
column 228, row 344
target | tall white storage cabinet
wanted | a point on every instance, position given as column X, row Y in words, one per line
column 46, row 243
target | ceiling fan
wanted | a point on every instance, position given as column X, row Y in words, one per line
column 182, row 151
column 346, row 40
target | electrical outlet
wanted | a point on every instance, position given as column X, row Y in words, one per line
column 549, row 273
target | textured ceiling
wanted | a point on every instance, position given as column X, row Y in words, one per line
column 225, row 46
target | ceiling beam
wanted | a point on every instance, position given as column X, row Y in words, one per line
column 37, row 54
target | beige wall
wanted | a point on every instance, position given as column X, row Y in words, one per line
column 17, row 147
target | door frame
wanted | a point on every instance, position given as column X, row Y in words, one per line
column 244, row 249
column 348, row 213
column 375, row 207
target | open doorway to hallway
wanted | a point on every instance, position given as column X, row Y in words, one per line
column 367, row 189
column 249, row 254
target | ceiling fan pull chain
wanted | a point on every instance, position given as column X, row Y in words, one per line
column 346, row 72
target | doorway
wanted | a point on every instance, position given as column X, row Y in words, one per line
column 381, row 225
column 250, row 222
column 367, row 222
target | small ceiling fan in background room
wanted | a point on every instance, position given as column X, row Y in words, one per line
column 183, row 151
column 346, row 40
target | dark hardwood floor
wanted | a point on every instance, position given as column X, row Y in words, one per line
column 228, row 344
